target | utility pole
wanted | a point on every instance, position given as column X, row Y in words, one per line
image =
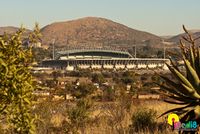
column 53, row 43
column 164, row 48
column 135, row 53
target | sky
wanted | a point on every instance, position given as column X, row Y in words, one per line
column 160, row 17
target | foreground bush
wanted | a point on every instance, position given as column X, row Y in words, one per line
column 78, row 116
column 16, row 82
column 143, row 119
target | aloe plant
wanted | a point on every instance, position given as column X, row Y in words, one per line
column 184, row 90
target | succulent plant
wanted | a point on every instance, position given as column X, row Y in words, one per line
column 184, row 90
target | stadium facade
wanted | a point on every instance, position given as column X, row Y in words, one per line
column 101, row 59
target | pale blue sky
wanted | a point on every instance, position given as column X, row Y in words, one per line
column 161, row 17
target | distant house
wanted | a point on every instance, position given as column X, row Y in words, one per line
column 149, row 96
column 96, row 85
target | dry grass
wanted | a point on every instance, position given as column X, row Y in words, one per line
column 115, row 118
column 158, row 106
column 109, row 120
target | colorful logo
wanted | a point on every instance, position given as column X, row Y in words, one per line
column 173, row 120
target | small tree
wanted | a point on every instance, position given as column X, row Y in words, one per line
column 109, row 94
column 16, row 83
column 79, row 116
column 98, row 78
column 143, row 119
column 64, row 91
column 128, row 77
column 83, row 90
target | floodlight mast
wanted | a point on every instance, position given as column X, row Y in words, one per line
column 53, row 43
column 135, row 52
column 164, row 49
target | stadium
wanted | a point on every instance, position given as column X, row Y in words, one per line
column 101, row 59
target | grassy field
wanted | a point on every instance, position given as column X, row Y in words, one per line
column 115, row 118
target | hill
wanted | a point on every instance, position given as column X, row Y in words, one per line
column 11, row 30
column 176, row 39
column 94, row 32
column 8, row 29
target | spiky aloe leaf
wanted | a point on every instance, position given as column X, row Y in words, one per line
column 177, row 93
column 193, row 93
column 183, row 49
column 197, row 110
column 174, row 65
column 192, row 75
column 182, row 78
column 192, row 61
column 186, row 39
column 189, row 115
column 170, row 82
column 188, row 100
column 185, row 83
column 183, row 112
column 177, row 98
column 174, row 102
column 188, row 34
column 186, row 31
column 163, row 87
column 197, row 62
column 186, row 90
column 178, row 109
column 179, row 88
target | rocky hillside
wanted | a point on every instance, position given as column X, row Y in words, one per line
column 176, row 39
column 11, row 30
column 8, row 30
column 94, row 31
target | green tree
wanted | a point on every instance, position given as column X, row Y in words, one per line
column 40, row 54
column 127, row 80
column 109, row 94
column 16, row 83
column 78, row 116
column 83, row 90
column 64, row 91
column 128, row 77
column 98, row 78
column 35, row 36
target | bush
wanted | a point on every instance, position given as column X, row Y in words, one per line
column 78, row 116
column 127, row 80
column 16, row 81
column 109, row 94
column 142, row 120
column 83, row 90
column 98, row 78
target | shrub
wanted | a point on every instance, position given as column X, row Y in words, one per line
column 78, row 116
column 83, row 90
column 98, row 78
column 109, row 94
column 127, row 80
column 143, row 119
column 16, row 81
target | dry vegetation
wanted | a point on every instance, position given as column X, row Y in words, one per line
column 104, row 118
column 93, row 31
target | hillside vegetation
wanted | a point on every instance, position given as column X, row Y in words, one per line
column 95, row 31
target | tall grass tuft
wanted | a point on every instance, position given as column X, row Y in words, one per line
column 143, row 119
